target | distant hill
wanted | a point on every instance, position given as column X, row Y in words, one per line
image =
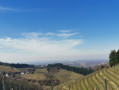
column 97, row 80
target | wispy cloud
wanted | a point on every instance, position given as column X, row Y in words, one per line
column 20, row 10
column 66, row 35
column 59, row 34
column 32, row 35
column 41, row 45
column 64, row 31
column 8, row 9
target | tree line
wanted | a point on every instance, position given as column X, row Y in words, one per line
column 18, row 65
column 114, row 58
column 80, row 70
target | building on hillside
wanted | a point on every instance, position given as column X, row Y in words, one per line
column 7, row 75
column 25, row 72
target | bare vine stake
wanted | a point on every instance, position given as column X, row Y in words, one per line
column 52, row 83
column 105, row 84
column 96, row 88
column 69, row 87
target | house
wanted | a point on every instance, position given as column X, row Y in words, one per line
column 22, row 73
column 25, row 72
column 7, row 75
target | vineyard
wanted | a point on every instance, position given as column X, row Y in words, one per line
column 96, row 81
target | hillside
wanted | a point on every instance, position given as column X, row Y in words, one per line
column 61, row 76
column 64, row 75
column 8, row 69
column 97, row 80
column 11, row 80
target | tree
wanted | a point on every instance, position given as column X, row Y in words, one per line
column 113, row 58
column 117, row 56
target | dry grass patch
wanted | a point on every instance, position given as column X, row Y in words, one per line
column 8, row 69
column 34, row 76
column 64, row 75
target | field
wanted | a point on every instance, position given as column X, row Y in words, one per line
column 96, row 81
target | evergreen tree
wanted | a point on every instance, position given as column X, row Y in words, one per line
column 117, row 56
column 113, row 58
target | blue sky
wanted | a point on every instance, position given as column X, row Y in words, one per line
column 58, row 29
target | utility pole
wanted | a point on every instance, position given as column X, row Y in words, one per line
column 105, row 84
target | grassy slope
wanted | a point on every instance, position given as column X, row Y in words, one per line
column 8, row 69
column 64, row 76
column 34, row 76
column 39, row 74
column 44, row 70
column 96, row 79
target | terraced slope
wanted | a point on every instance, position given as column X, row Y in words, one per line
column 96, row 81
